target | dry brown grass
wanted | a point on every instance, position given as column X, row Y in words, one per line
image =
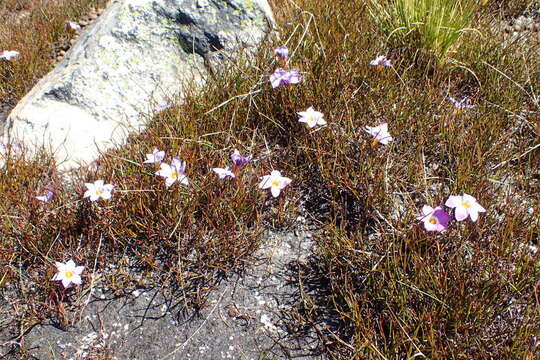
column 379, row 286
column 35, row 28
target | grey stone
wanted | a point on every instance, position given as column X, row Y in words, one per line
column 247, row 317
column 138, row 54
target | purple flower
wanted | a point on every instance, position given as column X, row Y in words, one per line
column 434, row 219
column 46, row 197
column 240, row 160
column 282, row 77
column 281, row 52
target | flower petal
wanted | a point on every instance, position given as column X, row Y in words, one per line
column 184, row 180
column 461, row 213
column 66, row 283
column 453, row 201
column 76, row 279
column 265, row 182
column 473, row 214
column 275, row 191
column 284, row 182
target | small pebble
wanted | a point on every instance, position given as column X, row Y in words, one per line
column 517, row 28
column 58, row 58
column 62, row 53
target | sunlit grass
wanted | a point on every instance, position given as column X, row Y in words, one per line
column 436, row 26
column 378, row 285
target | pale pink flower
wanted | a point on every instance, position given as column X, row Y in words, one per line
column 282, row 77
column 174, row 172
column 311, row 117
column 275, row 182
column 155, row 157
column 223, row 173
column 98, row 190
column 380, row 133
column 434, row 219
column 465, row 206
column 68, row 273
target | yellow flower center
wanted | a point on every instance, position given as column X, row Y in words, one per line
column 275, row 183
column 99, row 192
column 175, row 174
column 432, row 220
column 465, row 204
column 68, row 274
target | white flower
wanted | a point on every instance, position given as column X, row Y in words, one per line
column 380, row 133
column 465, row 206
column 9, row 54
column 68, row 273
column 223, row 173
column 98, row 190
column 155, row 157
column 275, row 182
column 174, row 172
column 311, row 117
